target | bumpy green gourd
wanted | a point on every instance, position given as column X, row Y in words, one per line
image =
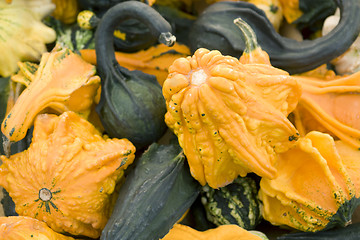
column 131, row 104
column 236, row 203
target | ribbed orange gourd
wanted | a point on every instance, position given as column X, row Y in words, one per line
column 223, row 232
column 314, row 190
column 230, row 117
column 26, row 228
column 330, row 105
column 63, row 82
column 67, row 176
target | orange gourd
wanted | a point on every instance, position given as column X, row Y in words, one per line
column 330, row 105
column 25, row 228
column 230, row 118
column 314, row 189
column 68, row 175
column 63, row 82
column 66, row 10
column 223, row 232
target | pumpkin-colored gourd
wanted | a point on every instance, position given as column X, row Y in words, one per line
column 154, row 60
column 67, row 176
column 230, row 118
column 313, row 190
column 223, row 232
column 62, row 82
column 330, row 105
column 23, row 35
column 26, row 228
column 66, row 10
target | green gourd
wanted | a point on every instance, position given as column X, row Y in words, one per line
column 236, row 203
column 4, row 94
column 351, row 232
column 155, row 195
column 132, row 105
column 214, row 29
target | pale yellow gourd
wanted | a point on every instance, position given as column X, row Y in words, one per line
column 23, row 35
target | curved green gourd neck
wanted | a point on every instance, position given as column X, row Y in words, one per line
column 285, row 53
column 159, row 28
column 248, row 34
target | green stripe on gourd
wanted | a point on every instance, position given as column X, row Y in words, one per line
column 236, row 203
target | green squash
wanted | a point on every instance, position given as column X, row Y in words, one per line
column 351, row 232
column 4, row 94
column 71, row 36
column 155, row 195
column 132, row 105
column 214, row 29
column 236, row 203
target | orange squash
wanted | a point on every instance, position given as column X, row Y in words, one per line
column 25, row 228
column 230, row 117
column 330, row 105
column 314, row 189
column 223, row 232
column 62, row 82
column 68, row 175
column 66, row 10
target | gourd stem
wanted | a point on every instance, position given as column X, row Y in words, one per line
column 167, row 39
column 45, row 194
column 248, row 34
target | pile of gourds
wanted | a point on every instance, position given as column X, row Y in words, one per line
column 183, row 119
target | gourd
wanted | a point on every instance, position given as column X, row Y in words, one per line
column 72, row 36
column 351, row 232
column 313, row 190
column 156, row 194
column 271, row 8
column 68, row 175
column 154, row 60
column 63, row 81
column 131, row 104
column 348, row 62
column 236, row 203
column 4, row 94
column 9, row 92
column 229, row 116
column 66, row 11
column 26, row 228
column 24, row 36
column 224, row 232
column 329, row 105
column 307, row 14
column 214, row 29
